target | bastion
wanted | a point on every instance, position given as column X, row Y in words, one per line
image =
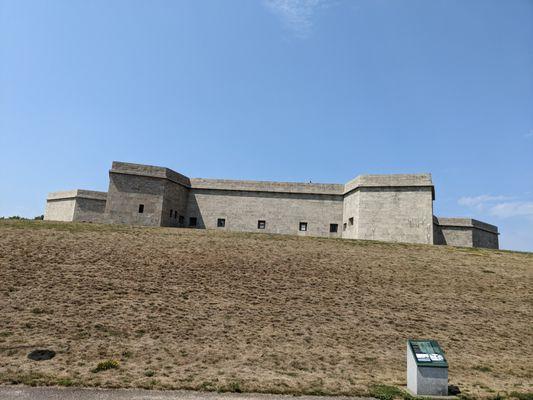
column 397, row 208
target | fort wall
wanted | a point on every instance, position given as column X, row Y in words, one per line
column 175, row 203
column 465, row 232
column 399, row 214
column 376, row 207
column 351, row 215
column 282, row 212
column 134, row 199
column 60, row 206
column 76, row 205
column 390, row 208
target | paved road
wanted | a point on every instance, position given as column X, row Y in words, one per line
column 45, row 393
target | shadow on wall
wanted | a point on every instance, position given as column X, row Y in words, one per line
column 193, row 212
column 438, row 236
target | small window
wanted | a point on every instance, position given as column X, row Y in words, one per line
column 303, row 226
column 221, row 223
column 141, row 208
column 170, row 213
column 261, row 224
column 175, row 214
column 350, row 220
column 192, row 221
column 181, row 219
column 344, row 226
column 333, row 228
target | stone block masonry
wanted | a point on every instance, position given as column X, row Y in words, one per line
column 76, row 205
column 397, row 208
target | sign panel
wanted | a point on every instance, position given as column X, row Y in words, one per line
column 428, row 353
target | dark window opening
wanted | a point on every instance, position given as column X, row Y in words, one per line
column 350, row 220
column 344, row 226
column 192, row 221
column 333, row 228
column 141, row 208
column 181, row 219
column 261, row 224
column 221, row 223
column 170, row 213
column 175, row 214
column 303, row 226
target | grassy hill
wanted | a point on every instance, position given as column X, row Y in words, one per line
column 213, row 310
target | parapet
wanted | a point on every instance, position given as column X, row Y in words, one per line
column 465, row 223
column 395, row 180
column 77, row 193
column 265, row 186
column 150, row 171
column 226, row 184
column 334, row 189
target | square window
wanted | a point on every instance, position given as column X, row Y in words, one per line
column 221, row 223
column 350, row 220
column 141, row 208
column 303, row 226
column 261, row 224
column 333, row 228
column 181, row 219
column 192, row 221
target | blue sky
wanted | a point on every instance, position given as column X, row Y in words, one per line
column 273, row 90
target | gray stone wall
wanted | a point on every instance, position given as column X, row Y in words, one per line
column 282, row 212
column 127, row 192
column 89, row 210
column 485, row 239
column 401, row 214
column 76, row 205
column 377, row 207
column 465, row 232
column 454, row 236
column 350, row 215
column 175, row 203
column 389, row 207
column 60, row 209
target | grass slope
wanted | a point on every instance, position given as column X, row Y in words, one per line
column 253, row 312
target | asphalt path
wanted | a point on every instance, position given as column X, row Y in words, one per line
column 53, row 393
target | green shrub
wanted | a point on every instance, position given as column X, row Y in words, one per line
column 522, row 396
column 234, row 387
column 105, row 365
column 385, row 392
column 65, row 382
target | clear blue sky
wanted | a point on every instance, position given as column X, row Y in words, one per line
column 273, row 90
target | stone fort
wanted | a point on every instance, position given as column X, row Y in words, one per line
column 397, row 208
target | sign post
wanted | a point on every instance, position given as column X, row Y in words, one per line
column 427, row 368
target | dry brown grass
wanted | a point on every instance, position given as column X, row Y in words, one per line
column 220, row 311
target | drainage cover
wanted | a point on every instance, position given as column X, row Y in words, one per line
column 40, row 355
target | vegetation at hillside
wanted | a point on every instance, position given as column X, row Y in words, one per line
column 212, row 310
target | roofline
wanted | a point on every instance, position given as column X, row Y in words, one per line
column 335, row 189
